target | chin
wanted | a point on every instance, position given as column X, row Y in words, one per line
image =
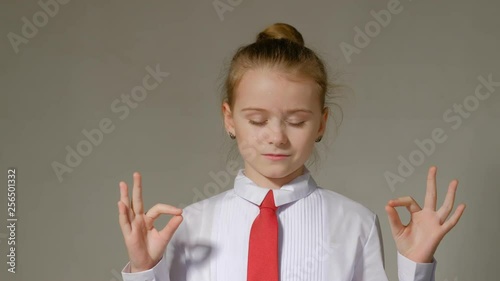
column 276, row 171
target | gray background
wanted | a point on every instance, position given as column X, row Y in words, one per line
column 65, row 78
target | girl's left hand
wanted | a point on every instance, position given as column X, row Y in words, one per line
column 419, row 239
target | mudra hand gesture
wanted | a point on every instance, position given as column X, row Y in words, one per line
column 145, row 244
column 419, row 239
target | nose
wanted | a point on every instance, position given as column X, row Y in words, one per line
column 276, row 134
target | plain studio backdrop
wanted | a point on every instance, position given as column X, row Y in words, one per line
column 419, row 96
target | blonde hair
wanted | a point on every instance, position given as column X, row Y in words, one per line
column 281, row 47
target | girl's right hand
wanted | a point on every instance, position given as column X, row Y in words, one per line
column 145, row 245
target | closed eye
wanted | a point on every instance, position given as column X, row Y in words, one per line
column 300, row 124
column 256, row 123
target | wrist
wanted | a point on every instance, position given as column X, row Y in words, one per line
column 138, row 269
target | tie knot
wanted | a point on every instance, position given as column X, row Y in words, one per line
column 268, row 201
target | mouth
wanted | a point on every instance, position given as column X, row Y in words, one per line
column 276, row 156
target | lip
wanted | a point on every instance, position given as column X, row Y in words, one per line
column 276, row 156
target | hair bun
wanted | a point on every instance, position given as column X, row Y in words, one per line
column 281, row 31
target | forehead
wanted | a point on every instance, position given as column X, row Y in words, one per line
column 275, row 91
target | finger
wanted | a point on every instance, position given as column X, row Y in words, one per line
column 137, row 194
column 407, row 202
column 450, row 223
column 430, row 194
column 168, row 231
column 123, row 218
column 394, row 220
column 159, row 209
column 125, row 199
column 449, row 200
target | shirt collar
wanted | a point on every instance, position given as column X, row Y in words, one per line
column 297, row 189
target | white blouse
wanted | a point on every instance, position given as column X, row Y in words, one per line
column 323, row 236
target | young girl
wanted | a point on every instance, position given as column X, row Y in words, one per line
column 277, row 223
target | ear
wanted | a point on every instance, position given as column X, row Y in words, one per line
column 324, row 119
column 228, row 117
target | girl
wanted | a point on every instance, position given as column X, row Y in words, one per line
column 277, row 223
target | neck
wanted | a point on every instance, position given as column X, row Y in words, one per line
column 271, row 182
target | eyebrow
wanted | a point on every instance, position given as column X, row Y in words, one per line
column 288, row 111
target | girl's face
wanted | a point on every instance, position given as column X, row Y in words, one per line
column 274, row 115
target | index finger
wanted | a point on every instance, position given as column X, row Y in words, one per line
column 159, row 209
column 430, row 194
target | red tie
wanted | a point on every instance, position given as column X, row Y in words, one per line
column 263, row 246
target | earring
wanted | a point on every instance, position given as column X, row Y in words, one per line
column 319, row 139
column 232, row 136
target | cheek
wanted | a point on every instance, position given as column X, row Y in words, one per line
column 253, row 134
column 247, row 143
column 305, row 134
column 305, row 143
column 247, row 151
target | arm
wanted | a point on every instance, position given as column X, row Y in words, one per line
column 370, row 264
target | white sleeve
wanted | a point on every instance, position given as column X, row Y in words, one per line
column 413, row 271
column 158, row 273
